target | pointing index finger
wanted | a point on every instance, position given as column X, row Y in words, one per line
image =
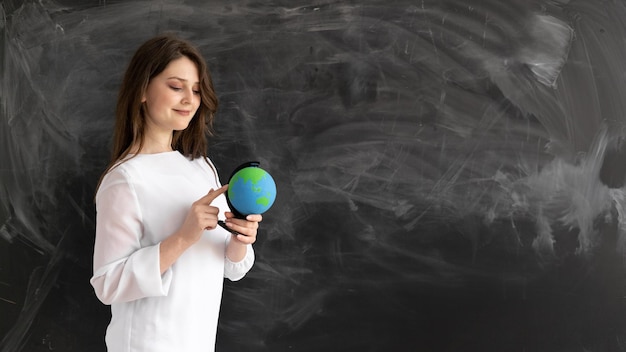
column 214, row 193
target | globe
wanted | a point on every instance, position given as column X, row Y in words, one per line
column 251, row 190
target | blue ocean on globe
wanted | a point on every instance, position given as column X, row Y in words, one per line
column 251, row 190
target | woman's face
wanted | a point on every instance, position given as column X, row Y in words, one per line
column 172, row 97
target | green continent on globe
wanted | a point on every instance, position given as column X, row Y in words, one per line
column 264, row 201
column 252, row 174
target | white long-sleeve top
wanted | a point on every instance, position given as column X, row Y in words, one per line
column 139, row 203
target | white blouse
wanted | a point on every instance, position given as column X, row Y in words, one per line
column 139, row 203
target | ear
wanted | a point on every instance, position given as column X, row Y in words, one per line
column 144, row 89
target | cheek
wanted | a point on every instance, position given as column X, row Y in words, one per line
column 162, row 101
column 154, row 98
column 152, row 105
column 157, row 104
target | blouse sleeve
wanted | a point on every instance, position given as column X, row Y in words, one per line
column 237, row 270
column 123, row 269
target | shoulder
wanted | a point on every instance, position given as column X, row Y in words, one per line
column 118, row 173
column 123, row 171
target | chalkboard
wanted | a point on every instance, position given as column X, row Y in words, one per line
column 451, row 173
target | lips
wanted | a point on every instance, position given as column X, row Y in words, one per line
column 183, row 112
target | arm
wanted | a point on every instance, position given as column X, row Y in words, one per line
column 123, row 269
column 202, row 216
column 239, row 254
column 247, row 229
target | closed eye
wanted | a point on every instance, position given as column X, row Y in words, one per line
column 178, row 89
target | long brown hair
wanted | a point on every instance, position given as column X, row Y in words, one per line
column 150, row 59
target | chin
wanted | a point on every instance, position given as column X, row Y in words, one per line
column 181, row 127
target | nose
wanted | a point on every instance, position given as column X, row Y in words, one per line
column 188, row 96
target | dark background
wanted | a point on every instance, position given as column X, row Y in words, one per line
column 450, row 173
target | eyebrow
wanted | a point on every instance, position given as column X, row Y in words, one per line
column 181, row 79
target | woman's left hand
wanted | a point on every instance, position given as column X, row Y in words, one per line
column 246, row 228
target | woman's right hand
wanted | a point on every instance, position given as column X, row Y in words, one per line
column 202, row 216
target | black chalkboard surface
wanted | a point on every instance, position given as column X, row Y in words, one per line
column 450, row 173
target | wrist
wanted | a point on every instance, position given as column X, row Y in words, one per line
column 236, row 249
column 182, row 240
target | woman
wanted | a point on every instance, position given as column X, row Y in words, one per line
column 159, row 258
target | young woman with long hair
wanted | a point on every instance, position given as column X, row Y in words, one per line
column 160, row 257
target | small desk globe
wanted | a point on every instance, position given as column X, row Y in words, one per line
column 251, row 190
